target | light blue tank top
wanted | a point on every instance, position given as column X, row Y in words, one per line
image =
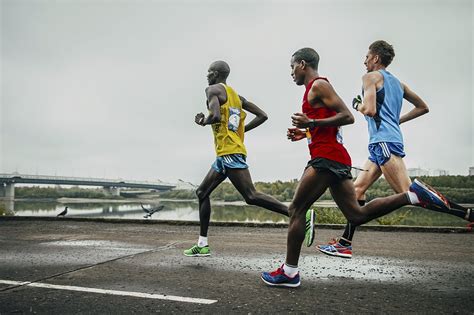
column 384, row 126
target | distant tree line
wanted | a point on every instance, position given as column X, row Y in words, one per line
column 37, row 192
column 457, row 188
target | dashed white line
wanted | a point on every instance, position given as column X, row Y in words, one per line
column 110, row 292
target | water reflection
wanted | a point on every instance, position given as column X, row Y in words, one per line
column 188, row 211
column 183, row 211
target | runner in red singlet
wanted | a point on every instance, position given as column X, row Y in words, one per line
column 330, row 165
column 327, row 141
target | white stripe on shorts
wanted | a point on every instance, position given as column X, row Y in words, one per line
column 385, row 149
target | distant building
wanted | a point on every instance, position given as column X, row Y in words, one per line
column 471, row 171
column 412, row 172
column 438, row 172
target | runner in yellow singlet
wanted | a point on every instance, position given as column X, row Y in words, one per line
column 226, row 116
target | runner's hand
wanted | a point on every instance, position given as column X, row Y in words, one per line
column 356, row 102
column 295, row 134
column 300, row 120
column 199, row 119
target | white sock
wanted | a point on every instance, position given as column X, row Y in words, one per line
column 413, row 198
column 202, row 241
column 290, row 271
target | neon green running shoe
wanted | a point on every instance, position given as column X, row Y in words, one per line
column 309, row 233
column 197, row 251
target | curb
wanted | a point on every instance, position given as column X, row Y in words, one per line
column 382, row 228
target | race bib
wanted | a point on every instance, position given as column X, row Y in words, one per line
column 234, row 119
column 339, row 136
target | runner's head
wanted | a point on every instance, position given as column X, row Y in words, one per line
column 303, row 61
column 379, row 56
column 218, row 72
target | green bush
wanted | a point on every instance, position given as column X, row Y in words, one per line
column 329, row 216
column 394, row 218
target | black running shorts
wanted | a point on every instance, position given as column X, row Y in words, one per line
column 342, row 171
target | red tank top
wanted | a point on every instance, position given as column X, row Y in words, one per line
column 325, row 142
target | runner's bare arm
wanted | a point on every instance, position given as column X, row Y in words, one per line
column 420, row 106
column 369, row 84
column 324, row 92
column 260, row 115
column 212, row 93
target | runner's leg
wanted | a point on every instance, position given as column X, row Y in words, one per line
column 361, row 184
column 242, row 181
column 396, row 174
column 345, row 198
column 209, row 183
column 366, row 179
column 312, row 185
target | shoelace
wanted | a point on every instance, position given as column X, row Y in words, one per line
column 277, row 272
column 333, row 241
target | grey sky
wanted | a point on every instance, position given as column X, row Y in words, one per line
column 110, row 88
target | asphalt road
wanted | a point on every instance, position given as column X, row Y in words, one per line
column 64, row 267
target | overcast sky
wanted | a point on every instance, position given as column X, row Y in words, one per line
column 110, row 88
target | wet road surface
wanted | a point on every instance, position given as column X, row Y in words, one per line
column 65, row 266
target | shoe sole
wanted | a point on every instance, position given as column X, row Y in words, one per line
column 311, row 235
column 197, row 255
column 347, row 256
column 288, row 285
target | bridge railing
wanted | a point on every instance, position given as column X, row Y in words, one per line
column 87, row 179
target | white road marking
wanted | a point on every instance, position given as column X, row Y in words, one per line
column 111, row 292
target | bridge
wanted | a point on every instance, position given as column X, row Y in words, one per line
column 111, row 186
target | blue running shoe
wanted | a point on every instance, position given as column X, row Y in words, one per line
column 278, row 278
column 428, row 196
column 334, row 248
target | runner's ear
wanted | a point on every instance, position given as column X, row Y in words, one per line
column 376, row 58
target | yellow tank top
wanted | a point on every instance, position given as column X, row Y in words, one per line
column 229, row 132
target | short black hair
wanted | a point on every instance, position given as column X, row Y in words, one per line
column 222, row 67
column 384, row 50
column 309, row 55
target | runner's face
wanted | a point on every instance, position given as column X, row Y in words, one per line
column 370, row 61
column 297, row 72
column 211, row 76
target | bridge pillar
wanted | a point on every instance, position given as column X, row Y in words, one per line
column 112, row 191
column 7, row 207
column 7, row 190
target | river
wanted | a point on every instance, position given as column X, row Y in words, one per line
column 221, row 211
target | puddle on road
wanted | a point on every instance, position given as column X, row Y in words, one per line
column 325, row 268
column 365, row 267
column 108, row 245
column 66, row 253
column 316, row 267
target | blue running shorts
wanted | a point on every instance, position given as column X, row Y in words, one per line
column 229, row 161
column 380, row 152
